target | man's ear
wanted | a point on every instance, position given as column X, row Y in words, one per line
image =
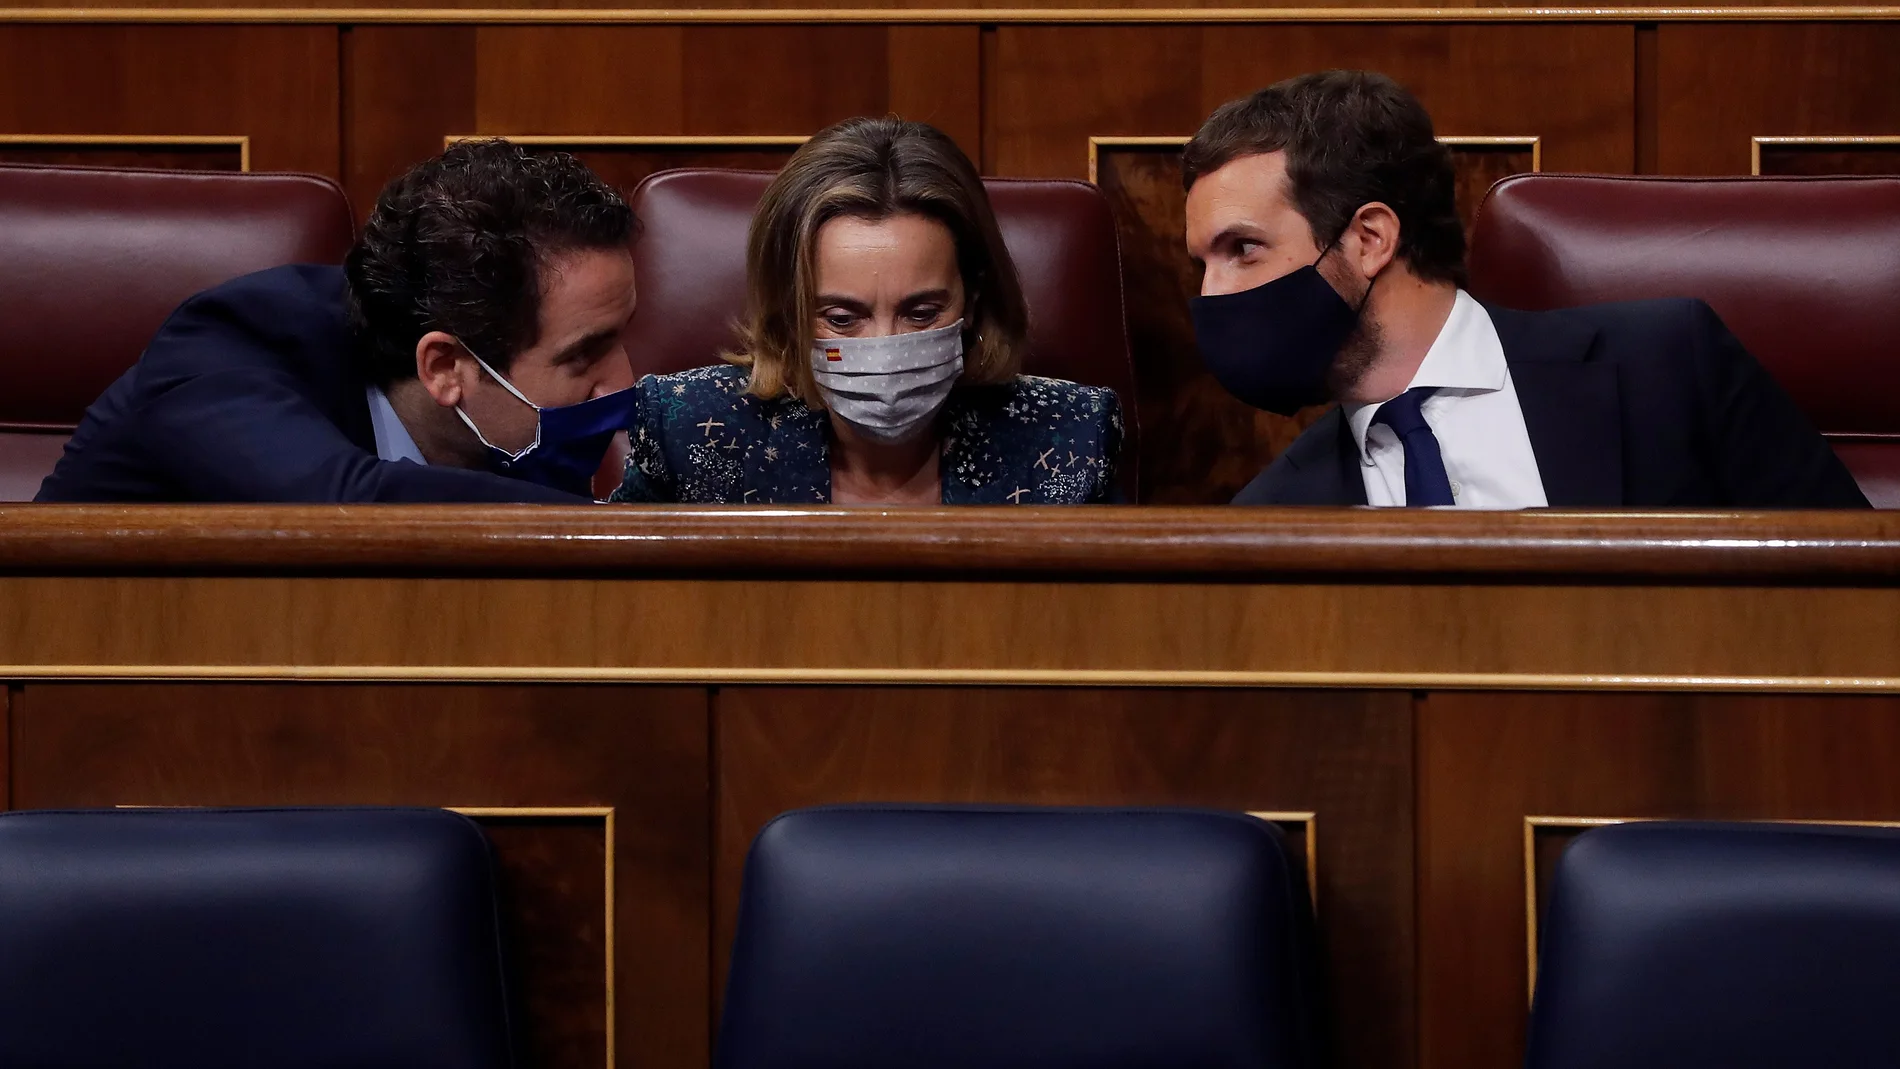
column 438, row 367
column 1372, row 238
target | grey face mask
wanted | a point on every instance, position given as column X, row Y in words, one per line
column 889, row 388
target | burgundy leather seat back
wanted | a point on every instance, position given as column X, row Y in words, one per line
column 690, row 267
column 92, row 260
column 1805, row 271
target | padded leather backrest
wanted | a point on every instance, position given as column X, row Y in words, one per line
column 1806, row 271
column 946, row 937
column 690, row 266
column 233, row 939
column 92, row 260
column 1747, row 946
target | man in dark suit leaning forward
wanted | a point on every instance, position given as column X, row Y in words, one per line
column 1322, row 209
column 469, row 350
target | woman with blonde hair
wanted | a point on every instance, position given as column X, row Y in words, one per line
column 879, row 354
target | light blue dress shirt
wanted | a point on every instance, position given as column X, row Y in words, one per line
column 392, row 438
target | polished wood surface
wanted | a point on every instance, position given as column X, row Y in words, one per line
column 278, row 85
column 1810, row 78
column 1160, row 543
column 1421, row 683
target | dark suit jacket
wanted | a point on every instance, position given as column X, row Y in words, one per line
column 250, row 392
column 1646, row 403
column 698, row 436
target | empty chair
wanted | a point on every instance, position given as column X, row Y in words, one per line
column 690, row 262
column 1803, row 270
column 1747, row 946
column 92, row 261
column 220, row 939
column 945, row 937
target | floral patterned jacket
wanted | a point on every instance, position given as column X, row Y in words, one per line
column 697, row 436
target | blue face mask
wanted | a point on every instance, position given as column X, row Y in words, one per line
column 569, row 440
column 1272, row 346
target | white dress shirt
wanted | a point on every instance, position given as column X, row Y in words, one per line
column 1474, row 414
column 393, row 441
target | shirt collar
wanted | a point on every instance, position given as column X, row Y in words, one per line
column 393, row 441
column 1466, row 358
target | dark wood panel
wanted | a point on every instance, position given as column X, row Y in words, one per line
column 277, row 84
column 1723, row 84
column 553, row 876
column 1488, row 761
column 641, row 751
column 171, row 157
column 1872, row 158
column 410, row 87
column 1056, row 87
column 1343, row 755
column 6, row 746
column 405, row 88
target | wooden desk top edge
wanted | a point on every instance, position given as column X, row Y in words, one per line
column 1147, row 542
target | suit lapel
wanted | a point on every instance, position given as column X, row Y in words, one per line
column 1571, row 406
column 1322, row 465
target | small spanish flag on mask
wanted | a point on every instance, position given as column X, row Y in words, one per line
column 833, row 354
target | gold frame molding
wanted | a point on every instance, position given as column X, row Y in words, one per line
column 1755, row 144
column 1531, row 824
column 947, row 15
column 1533, row 142
column 1310, row 821
column 1096, row 144
column 602, row 813
column 241, row 142
column 714, row 675
column 643, row 140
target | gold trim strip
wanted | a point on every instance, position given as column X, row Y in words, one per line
column 1755, row 144
column 643, row 140
column 1098, row 143
column 1534, row 142
column 241, row 142
column 605, row 814
column 1308, row 820
column 1090, row 677
column 1531, row 824
column 1531, row 141
column 955, row 15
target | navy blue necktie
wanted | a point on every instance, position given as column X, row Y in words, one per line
column 1425, row 480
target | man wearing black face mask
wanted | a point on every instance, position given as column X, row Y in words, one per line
column 468, row 350
column 1322, row 209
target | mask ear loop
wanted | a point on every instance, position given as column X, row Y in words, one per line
column 1366, row 296
column 519, row 396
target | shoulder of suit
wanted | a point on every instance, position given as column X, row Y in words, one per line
column 318, row 285
column 1648, row 312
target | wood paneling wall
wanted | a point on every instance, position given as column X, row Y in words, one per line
column 363, row 101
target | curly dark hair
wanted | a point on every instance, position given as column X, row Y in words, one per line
column 457, row 243
column 1350, row 138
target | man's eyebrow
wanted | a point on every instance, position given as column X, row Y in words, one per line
column 580, row 345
